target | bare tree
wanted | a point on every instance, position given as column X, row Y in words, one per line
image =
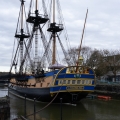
column 96, row 62
column 112, row 61
column 102, row 61
column 85, row 53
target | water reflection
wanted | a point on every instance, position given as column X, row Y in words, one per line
column 52, row 112
column 104, row 110
column 3, row 90
column 87, row 109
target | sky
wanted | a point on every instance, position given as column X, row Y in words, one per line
column 102, row 27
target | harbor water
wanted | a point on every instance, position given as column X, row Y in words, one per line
column 87, row 109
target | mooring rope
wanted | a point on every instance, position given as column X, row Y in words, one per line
column 49, row 102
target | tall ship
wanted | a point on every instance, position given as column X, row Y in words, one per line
column 36, row 70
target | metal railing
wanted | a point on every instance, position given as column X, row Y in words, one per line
column 107, row 82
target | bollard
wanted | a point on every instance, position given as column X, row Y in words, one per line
column 61, row 108
column 34, row 109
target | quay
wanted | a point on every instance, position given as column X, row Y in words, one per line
column 95, row 96
column 4, row 107
column 104, row 97
column 106, row 88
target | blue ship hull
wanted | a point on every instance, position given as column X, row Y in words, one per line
column 71, row 87
column 43, row 95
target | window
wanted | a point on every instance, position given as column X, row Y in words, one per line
column 68, row 82
column 64, row 81
column 73, row 81
column 82, row 81
column 78, row 81
column 60, row 81
column 89, row 81
column 86, row 81
column 48, row 84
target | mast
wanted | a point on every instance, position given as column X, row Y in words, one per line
column 21, row 39
column 36, row 5
column 54, row 28
column 21, row 34
column 54, row 37
column 53, row 11
column 36, row 37
column 36, row 19
column 81, row 41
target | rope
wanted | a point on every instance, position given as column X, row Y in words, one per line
column 26, row 22
column 30, row 7
column 65, row 30
column 13, row 52
column 51, row 100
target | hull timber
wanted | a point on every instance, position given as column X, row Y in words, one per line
column 63, row 83
column 43, row 95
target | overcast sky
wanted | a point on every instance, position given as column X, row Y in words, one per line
column 102, row 28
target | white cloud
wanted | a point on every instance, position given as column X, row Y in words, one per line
column 102, row 27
